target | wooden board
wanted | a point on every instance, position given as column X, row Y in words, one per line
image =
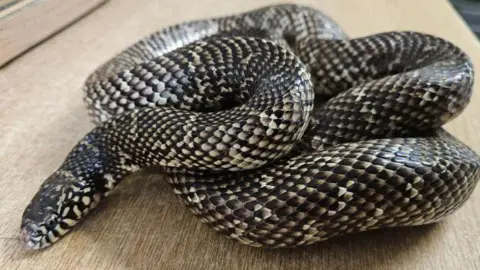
column 24, row 23
column 144, row 226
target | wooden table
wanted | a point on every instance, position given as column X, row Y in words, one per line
column 143, row 225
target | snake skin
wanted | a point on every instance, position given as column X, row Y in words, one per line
column 274, row 128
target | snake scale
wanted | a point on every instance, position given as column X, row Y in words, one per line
column 274, row 128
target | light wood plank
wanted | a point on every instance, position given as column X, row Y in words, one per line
column 26, row 23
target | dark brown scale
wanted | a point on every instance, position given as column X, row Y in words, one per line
column 220, row 104
column 412, row 198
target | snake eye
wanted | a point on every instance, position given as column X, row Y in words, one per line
column 51, row 221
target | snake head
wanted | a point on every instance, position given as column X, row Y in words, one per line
column 59, row 204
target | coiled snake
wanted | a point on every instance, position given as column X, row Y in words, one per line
column 274, row 128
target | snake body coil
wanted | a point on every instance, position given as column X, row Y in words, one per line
column 274, row 128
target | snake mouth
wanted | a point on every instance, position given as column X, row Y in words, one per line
column 30, row 239
column 33, row 236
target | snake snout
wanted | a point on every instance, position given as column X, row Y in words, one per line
column 41, row 234
column 30, row 238
column 42, row 223
column 25, row 238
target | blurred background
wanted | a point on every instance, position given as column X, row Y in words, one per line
column 470, row 11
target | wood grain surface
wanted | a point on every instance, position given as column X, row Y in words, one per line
column 24, row 24
column 143, row 225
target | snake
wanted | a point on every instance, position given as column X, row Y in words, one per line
column 274, row 128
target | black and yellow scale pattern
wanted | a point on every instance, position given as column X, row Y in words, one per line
column 274, row 128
